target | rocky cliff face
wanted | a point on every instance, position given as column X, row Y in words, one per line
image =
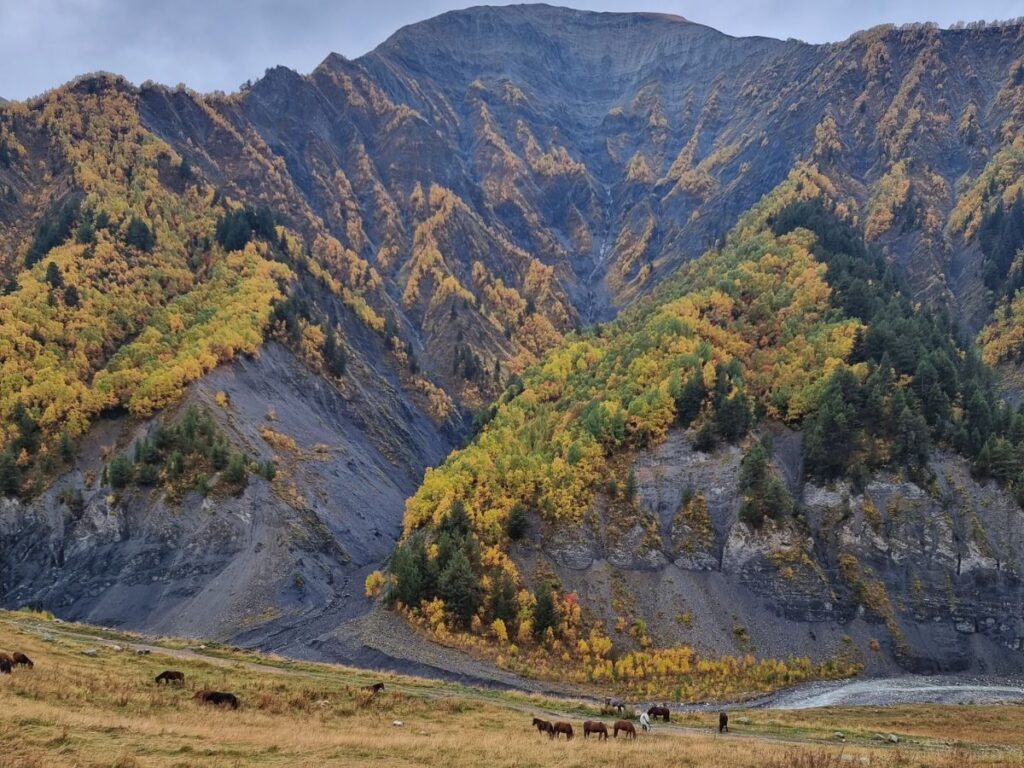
column 507, row 174
column 929, row 573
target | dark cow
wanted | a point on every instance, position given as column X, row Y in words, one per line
column 659, row 711
column 169, row 676
column 543, row 726
column 626, row 727
column 21, row 658
column 565, row 728
column 217, row 698
column 374, row 689
column 595, row 726
column 5, row 667
column 723, row 722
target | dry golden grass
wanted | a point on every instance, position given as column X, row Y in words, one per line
column 105, row 710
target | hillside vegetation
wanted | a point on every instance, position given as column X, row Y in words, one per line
column 792, row 320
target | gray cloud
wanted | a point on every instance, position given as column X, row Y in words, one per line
column 217, row 44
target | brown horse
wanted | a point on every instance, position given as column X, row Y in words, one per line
column 171, row 676
column 217, row 698
column 21, row 658
column 565, row 728
column 626, row 727
column 374, row 689
column 7, row 658
column 595, row 726
column 723, row 722
column 5, row 667
column 543, row 726
column 658, row 711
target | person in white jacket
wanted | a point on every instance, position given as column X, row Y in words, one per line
column 645, row 721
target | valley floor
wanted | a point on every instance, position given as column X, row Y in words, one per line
column 91, row 701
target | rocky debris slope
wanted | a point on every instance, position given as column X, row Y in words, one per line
column 277, row 557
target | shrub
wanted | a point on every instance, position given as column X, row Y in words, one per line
column 120, row 472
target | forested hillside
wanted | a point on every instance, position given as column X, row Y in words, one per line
column 793, row 321
column 690, row 314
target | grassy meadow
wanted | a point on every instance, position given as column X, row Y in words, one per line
column 104, row 710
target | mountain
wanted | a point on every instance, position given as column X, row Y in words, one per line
column 238, row 328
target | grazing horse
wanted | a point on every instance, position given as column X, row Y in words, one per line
column 5, row 667
column 21, row 658
column 374, row 689
column 218, row 698
column 626, row 727
column 617, row 704
column 659, row 711
column 723, row 722
column 7, row 658
column 543, row 726
column 595, row 726
column 565, row 728
column 171, row 676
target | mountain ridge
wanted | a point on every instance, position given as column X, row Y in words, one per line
column 435, row 224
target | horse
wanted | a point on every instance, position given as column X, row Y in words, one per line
column 626, row 727
column 543, row 726
column 617, row 704
column 21, row 658
column 658, row 711
column 171, row 676
column 218, row 698
column 374, row 689
column 558, row 728
column 5, row 667
column 723, row 722
column 7, row 658
column 595, row 726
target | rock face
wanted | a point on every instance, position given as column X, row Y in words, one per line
column 509, row 173
column 279, row 564
column 935, row 575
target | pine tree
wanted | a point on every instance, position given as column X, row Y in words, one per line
column 236, row 471
column 690, row 398
column 544, row 614
column 71, row 298
column 53, row 275
column 333, row 352
column 518, row 522
column 10, row 475
column 120, row 472
column 459, row 588
column 408, row 587
column 503, row 603
column 139, row 235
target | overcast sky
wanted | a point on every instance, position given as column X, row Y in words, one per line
column 218, row 44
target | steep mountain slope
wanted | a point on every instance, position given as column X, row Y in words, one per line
column 604, row 481
column 413, row 230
